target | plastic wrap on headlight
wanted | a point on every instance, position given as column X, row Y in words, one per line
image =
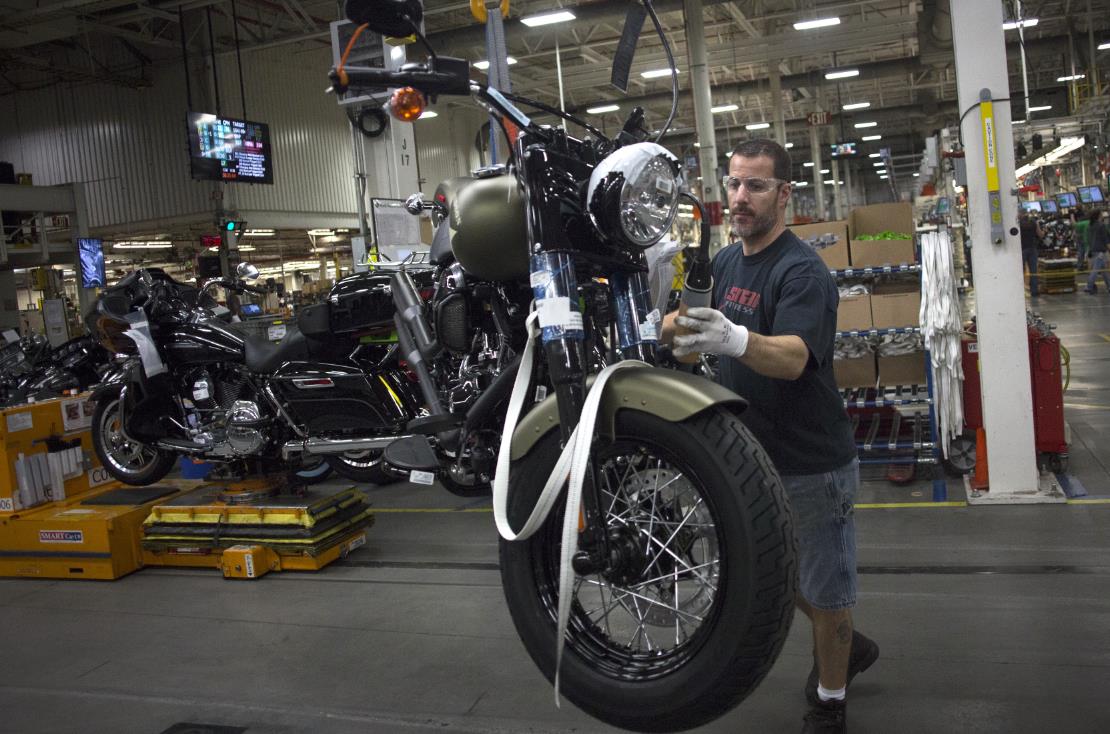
column 633, row 194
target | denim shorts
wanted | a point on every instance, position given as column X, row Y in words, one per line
column 825, row 524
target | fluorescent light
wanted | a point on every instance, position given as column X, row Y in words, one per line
column 878, row 164
column 806, row 25
column 602, row 109
column 758, row 126
column 245, row 248
column 259, row 233
column 803, row 183
column 872, row 155
column 788, row 145
column 1071, row 78
column 1017, row 122
column 1067, row 145
column 856, row 106
column 656, row 73
column 153, row 245
column 861, row 125
column 1025, row 23
column 842, row 74
column 697, row 145
column 725, row 108
column 321, row 232
column 426, row 114
column 484, row 63
column 824, row 170
column 808, row 164
column 559, row 16
column 884, row 177
column 917, row 175
column 1104, row 46
column 1040, row 108
column 830, row 181
column 869, row 138
column 684, row 215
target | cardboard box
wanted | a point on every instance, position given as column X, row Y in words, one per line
column 858, row 372
column 869, row 220
column 830, row 239
column 854, row 313
column 905, row 369
column 895, row 305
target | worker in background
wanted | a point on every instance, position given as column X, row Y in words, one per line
column 1100, row 240
column 1082, row 224
column 773, row 325
column 1031, row 236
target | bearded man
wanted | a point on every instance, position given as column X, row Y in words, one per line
column 773, row 325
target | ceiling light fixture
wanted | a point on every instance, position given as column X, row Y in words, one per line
column 842, row 74
column 878, row 164
column 428, row 114
column 484, row 63
column 1040, row 108
column 917, row 175
column 602, row 109
column 803, row 183
column 1071, row 78
column 862, row 125
column 259, row 233
column 151, row 245
column 788, row 145
column 884, row 177
column 542, row 19
column 758, row 126
column 1104, row 46
column 1067, row 145
column 1015, row 24
column 808, row 25
column 656, row 73
column 830, row 181
column 873, row 155
column 1017, row 122
column 808, row 164
column 824, row 170
column 724, row 108
column 856, row 106
column 869, row 138
column 321, row 232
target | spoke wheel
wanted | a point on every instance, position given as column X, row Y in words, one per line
column 694, row 602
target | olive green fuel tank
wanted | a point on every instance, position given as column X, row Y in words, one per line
column 489, row 236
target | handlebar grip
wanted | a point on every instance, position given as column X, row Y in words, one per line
column 446, row 75
column 255, row 289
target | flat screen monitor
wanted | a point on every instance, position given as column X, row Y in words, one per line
column 1048, row 206
column 1031, row 206
column 250, row 309
column 223, row 149
column 847, row 149
column 92, row 262
column 1067, row 200
column 943, row 206
column 1090, row 194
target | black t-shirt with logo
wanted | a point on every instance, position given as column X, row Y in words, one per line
column 787, row 289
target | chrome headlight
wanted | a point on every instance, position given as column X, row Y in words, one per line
column 633, row 194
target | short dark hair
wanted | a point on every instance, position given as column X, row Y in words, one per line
column 762, row 146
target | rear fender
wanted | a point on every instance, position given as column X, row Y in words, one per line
column 668, row 394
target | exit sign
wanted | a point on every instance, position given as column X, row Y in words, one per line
column 816, row 119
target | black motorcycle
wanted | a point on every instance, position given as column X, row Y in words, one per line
column 659, row 589
column 339, row 386
column 76, row 365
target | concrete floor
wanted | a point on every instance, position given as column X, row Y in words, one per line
column 991, row 619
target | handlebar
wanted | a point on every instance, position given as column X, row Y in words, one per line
column 442, row 75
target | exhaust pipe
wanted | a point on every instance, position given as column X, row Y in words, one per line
column 331, row 446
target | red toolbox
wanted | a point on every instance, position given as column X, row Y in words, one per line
column 1048, row 393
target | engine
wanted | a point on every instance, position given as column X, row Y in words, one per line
column 223, row 417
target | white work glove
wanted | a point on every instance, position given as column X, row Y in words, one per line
column 712, row 333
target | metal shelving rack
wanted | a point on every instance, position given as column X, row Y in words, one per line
column 895, row 424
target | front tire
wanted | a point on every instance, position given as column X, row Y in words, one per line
column 693, row 618
column 128, row 461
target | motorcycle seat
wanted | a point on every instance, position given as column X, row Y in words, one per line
column 262, row 355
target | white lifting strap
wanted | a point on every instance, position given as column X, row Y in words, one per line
column 572, row 463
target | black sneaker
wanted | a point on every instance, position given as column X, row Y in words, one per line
column 864, row 653
column 826, row 717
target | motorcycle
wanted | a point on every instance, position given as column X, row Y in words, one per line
column 45, row 373
column 660, row 594
column 334, row 388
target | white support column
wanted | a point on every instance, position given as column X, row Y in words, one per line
column 999, row 290
column 780, row 122
column 703, row 118
column 818, row 181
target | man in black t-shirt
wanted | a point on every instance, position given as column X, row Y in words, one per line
column 773, row 324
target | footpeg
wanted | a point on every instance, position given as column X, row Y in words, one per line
column 414, row 453
column 432, row 424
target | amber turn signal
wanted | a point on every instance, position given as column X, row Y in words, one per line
column 406, row 104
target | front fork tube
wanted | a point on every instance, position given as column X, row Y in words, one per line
column 637, row 327
column 555, row 289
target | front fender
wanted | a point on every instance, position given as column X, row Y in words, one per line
column 668, row 394
column 113, row 381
